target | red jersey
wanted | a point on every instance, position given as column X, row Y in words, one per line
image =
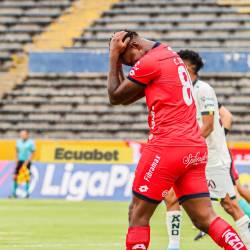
column 168, row 91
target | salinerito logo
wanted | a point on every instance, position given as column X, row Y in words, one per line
column 86, row 155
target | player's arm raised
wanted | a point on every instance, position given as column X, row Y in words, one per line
column 120, row 90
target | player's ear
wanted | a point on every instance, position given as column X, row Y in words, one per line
column 135, row 45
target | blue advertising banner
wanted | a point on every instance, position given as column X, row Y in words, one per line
column 80, row 61
column 72, row 181
column 82, row 181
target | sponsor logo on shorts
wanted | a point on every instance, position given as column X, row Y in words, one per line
column 164, row 193
column 233, row 240
column 211, row 184
column 139, row 247
column 192, row 160
column 175, row 225
column 152, row 168
column 143, row 189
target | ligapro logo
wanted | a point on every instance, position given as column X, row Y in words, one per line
column 78, row 184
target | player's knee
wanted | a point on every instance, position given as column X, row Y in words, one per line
column 130, row 211
column 201, row 225
column 137, row 217
column 171, row 201
column 203, row 219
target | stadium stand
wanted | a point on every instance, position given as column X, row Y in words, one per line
column 76, row 105
column 181, row 24
column 20, row 21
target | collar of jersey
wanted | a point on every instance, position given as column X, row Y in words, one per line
column 157, row 44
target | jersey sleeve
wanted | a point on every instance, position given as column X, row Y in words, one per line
column 144, row 71
column 207, row 102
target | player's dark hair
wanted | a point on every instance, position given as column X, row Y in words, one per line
column 131, row 34
column 194, row 58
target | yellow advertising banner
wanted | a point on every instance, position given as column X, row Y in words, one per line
column 86, row 153
column 60, row 151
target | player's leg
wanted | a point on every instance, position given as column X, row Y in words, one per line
column 221, row 187
column 243, row 194
column 140, row 213
column 201, row 213
column 242, row 220
column 27, row 184
column 173, row 220
column 15, row 176
column 148, row 189
column 199, row 206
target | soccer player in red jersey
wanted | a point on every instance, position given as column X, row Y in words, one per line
column 176, row 154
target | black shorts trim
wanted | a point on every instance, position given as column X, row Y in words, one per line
column 137, row 82
column 143, row 197
column 221, row 199
column 193, row 196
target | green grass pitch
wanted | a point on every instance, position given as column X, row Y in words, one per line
column 62, row 225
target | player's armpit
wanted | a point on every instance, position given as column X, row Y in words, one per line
column 127, row 92
column 208, row 124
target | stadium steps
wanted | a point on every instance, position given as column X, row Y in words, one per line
column 79, row 16
column 76, row 106
column 189, row 24
column 242, row 6
column 20, row 21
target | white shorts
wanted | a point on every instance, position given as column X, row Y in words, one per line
column 219, row 182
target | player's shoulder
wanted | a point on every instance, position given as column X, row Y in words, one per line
column 203, row 86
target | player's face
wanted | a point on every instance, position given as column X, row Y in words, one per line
column 191, row 69
column 24, row 135
column 131, row 55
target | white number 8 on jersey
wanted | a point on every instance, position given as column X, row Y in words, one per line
column 187, row 87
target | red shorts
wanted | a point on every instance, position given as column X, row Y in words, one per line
column 161, row 168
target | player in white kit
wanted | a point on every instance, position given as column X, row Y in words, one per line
column 219, row 161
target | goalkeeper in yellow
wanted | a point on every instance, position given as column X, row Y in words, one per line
column 25, row 149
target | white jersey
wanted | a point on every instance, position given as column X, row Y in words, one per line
column 206, row 103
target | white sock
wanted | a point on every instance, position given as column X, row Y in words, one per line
column 173, row 221
column 243, row 224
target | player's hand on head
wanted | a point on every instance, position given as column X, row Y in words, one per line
column 118, row 44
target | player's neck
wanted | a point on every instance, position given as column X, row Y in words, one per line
column 147, row 45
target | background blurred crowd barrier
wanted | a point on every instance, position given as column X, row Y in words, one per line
column 88, row 170
column 77, row 62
